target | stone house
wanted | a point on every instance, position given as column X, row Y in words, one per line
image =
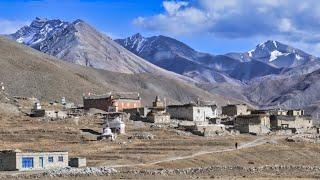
column 158, row 117
column 235, row 109
column 192, row 112
column 112, row 101
column 15, row 160
column 52, row 114
column 291, row 122
column 253, row 123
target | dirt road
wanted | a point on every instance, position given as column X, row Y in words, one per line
column 256, row 142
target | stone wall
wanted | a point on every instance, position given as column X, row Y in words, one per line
column 252, row 128
column 159, row 118
column 253, row 119
column 181, row 112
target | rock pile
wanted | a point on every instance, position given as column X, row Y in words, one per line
column 88, row 171
column 181, row 133
column 156, row 126
column 248, row 170
column 142, row 135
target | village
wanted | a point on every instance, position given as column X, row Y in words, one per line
column 114, row 111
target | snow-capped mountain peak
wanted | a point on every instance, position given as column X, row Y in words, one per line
column 135, row 42
column 39, row 30
column 279, row 55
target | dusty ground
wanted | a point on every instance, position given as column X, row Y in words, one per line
column 168, row 150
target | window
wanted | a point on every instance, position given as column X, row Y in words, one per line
column 41, row 162
column 60, row 158
column 198, row 110
column 50, row 159
column 27, row 162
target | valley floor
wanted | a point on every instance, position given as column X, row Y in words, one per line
column 171, row 154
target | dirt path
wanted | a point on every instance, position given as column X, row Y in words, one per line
column 256, row 142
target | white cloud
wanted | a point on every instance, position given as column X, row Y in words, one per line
column 11, row 26
column 292, row 20
column 172, row 6
column 285, row 25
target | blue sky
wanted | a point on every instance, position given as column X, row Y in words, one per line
column 213, row 26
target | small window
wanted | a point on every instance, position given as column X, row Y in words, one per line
column 50, row 159
column 60, row 158
column 27, row 162
column 198, row 110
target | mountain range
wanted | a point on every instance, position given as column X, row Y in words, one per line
column 270, row 57
column 270, row 75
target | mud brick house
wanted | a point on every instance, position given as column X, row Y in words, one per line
column 15, row 160
column 235, row 109
column 112, row 101
column 291, row 122
column 252, row 123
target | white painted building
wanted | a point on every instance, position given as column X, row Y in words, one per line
column 15, row 160
column 192, row 112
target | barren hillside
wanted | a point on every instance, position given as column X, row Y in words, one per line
column 27, row 72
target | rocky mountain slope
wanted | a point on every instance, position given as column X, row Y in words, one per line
column 79, row 43
column 287, row 92
column 28, row 72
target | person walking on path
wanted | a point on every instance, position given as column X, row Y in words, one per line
column 236, row 145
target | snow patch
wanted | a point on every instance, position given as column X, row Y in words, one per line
column 274, row 55
column 275, row 44
column 262, row 45
column 26, row 39
column 298, row 57
column 250, row 53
